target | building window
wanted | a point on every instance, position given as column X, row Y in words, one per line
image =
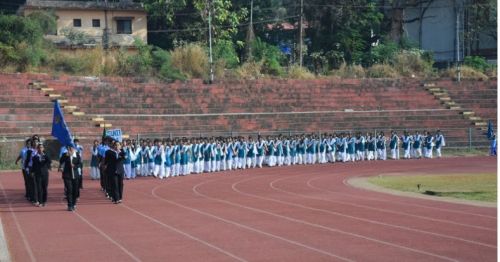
column 96, row 23
column 124, row 26
column 77, row 22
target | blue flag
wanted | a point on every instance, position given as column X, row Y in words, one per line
column 59, row 128
column 490, row 130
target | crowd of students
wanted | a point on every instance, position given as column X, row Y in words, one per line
column 113, row 161
column 163, row 158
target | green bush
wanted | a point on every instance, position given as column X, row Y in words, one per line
column 382, row 53
column 135, row 64
column 478, row 63
column 270, row 56
column 21, row 42
column 191, row 60
column 162, row 63
column 224, row 50
column 381, row 71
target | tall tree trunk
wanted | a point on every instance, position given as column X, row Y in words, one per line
column 397, row 19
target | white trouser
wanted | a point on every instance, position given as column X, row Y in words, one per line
column 407, row 153
column 361, row 155
column 161, row 174
column 156, row 170
column 128, row 170
column 428, row 153
column 260, row 160
column 272, row 160
column 381, row 154
column 394, row 153
column 138, row 170
column 438, row 152
column 168, row 171
column 144, row 169
column 230, row 164
column 151, row 167
column 207, row 166
column 369, row 155
column 95, row 173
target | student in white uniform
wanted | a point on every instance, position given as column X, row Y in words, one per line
column 440, row 142
column 406, row 144
column 429, row 145
column 394, row 145
column 417, row 145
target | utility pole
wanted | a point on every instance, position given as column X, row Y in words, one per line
column 250, row 34
column 106, row 28
column 301, row 42
column 457, row 23
column 210, row 41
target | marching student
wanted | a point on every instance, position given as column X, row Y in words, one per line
column 372, row 145
column 493, row 145
column 417, row 144
column 440, row 142
column 168, row 158
column 229, row 154
column 406, row 144
column 213, row 153
column 279, row 151
column 381, row 146
column 144, row 159
column 429, row 144
column 94, row 162
column 251, row 153
column 260, row 152
column 127, row 162
column 28, row 167
column 41, row 167
column 134, row 158
column 79, row 150
column 361, row 146
column 22, row 156
column 394, row 145
column 351, row 143
column 322, row 150
column 331, row 148
column 114, row 167
column 151, row 158
column 70, row 164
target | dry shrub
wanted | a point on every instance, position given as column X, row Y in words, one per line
column 298, row 72
column 466, row 72
column 492, row 72
column 249, row 70
column 349, row 71
column 410, row 64
column 191, row 60
column 381, row 71
column 79, row 62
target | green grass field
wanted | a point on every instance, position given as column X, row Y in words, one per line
column 480, row 187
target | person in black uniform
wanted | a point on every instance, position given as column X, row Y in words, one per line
column 70, row 164
column 28, row 169
column 41, row 167
column 22, row 156
column 114, row 171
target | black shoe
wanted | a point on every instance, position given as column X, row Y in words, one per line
column 73, row 208
column 70, row 209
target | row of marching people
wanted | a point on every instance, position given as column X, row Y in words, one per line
column 182, row 156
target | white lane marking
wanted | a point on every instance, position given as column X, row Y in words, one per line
column 18, row 226
column 234, row 186
column 185, row 234
column 321, row 226
column 248, row 227
column 388, row 211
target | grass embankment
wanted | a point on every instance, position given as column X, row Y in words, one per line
column 479, row 187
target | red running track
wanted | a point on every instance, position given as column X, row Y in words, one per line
column 300, row 213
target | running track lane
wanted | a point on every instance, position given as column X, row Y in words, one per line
column 290, row 213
